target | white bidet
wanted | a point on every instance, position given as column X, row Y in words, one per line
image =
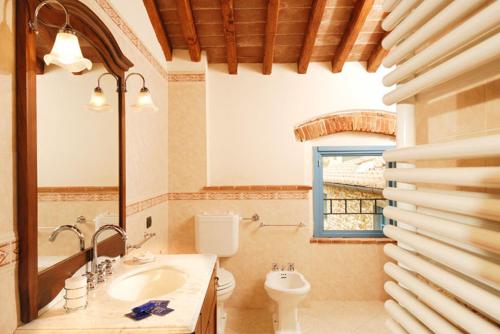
column 287, row 289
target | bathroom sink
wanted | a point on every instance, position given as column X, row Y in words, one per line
column 147, row 284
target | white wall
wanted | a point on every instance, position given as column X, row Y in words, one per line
column 76, row 146
column 251, row 118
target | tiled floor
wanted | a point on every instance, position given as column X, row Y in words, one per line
column 333, row 317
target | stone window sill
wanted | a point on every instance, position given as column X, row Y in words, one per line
column 351, row 240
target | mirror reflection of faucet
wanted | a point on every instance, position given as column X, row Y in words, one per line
column 71, row 228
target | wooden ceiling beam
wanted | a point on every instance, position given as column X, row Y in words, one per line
column 317, row 10
column 358, row 18
column 189, row 29
column 227, row 8
column 376, row 58
column 158, row 27
column 273, row 9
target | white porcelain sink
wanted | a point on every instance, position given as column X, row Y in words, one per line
column 147, row 284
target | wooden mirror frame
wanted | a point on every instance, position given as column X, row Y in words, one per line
column 37, row 289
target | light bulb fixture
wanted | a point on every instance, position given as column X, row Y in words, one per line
column 98, row 100
column 66, row 51
column 144, row 101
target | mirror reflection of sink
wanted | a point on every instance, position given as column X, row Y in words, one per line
column 147, row 284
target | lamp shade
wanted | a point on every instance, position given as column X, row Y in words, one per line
column 144, row 101
column 98, row 101
column 66, row 53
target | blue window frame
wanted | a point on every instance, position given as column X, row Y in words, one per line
column 322, row 205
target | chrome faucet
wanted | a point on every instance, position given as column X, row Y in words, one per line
column 71, row 228
column 95, row 237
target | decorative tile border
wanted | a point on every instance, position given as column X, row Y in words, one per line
column 8, row 253
column 294, row 193
column 71, row 194
column 137, row 207
column 186, row 77
column 240, row 195
column 123, row 26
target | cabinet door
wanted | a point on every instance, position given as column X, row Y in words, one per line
column 198, row 329
column 212, row 321
column 207, row 320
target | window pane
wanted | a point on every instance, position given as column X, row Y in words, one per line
column 352, row 192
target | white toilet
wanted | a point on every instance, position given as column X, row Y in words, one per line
column 287, row 289
column 219, row 234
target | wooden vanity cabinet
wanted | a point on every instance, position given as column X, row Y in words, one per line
column 207, row 320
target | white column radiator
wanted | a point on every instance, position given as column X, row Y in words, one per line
column 446, row 278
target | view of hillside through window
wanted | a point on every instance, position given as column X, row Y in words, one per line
column 352, row 192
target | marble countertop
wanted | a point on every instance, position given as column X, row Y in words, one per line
column 106, row 315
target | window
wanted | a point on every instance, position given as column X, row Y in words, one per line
column 347, row 191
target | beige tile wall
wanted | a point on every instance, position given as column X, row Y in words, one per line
column 187, row 146
column 8, row 271
column 55, row 213
column 468, row 106
column 336, row 271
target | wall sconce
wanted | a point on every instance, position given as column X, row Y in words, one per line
column 144, row 100
column 98, row 100
column 66, row 51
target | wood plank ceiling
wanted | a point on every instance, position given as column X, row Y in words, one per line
column 271, row 31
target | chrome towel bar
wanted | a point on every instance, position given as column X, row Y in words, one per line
column 301, row 224
column 254, row 218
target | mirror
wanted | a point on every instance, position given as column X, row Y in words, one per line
column 80, row 153
column 78, row 161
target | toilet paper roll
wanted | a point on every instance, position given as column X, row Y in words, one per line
column 76, row 293
column 73, row 304
column 75, row 282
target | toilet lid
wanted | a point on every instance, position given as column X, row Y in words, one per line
column 226, row 279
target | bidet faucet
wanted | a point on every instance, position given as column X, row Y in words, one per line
column 95, row 237
column 71, row 228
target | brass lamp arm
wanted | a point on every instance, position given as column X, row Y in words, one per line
column 34, row 23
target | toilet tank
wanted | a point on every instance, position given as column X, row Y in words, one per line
column 217, row 234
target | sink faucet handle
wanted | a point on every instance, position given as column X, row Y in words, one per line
column 101, row 273
column 109, row 266
column 91, row 280
column 275, row 267
column 291, row 266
